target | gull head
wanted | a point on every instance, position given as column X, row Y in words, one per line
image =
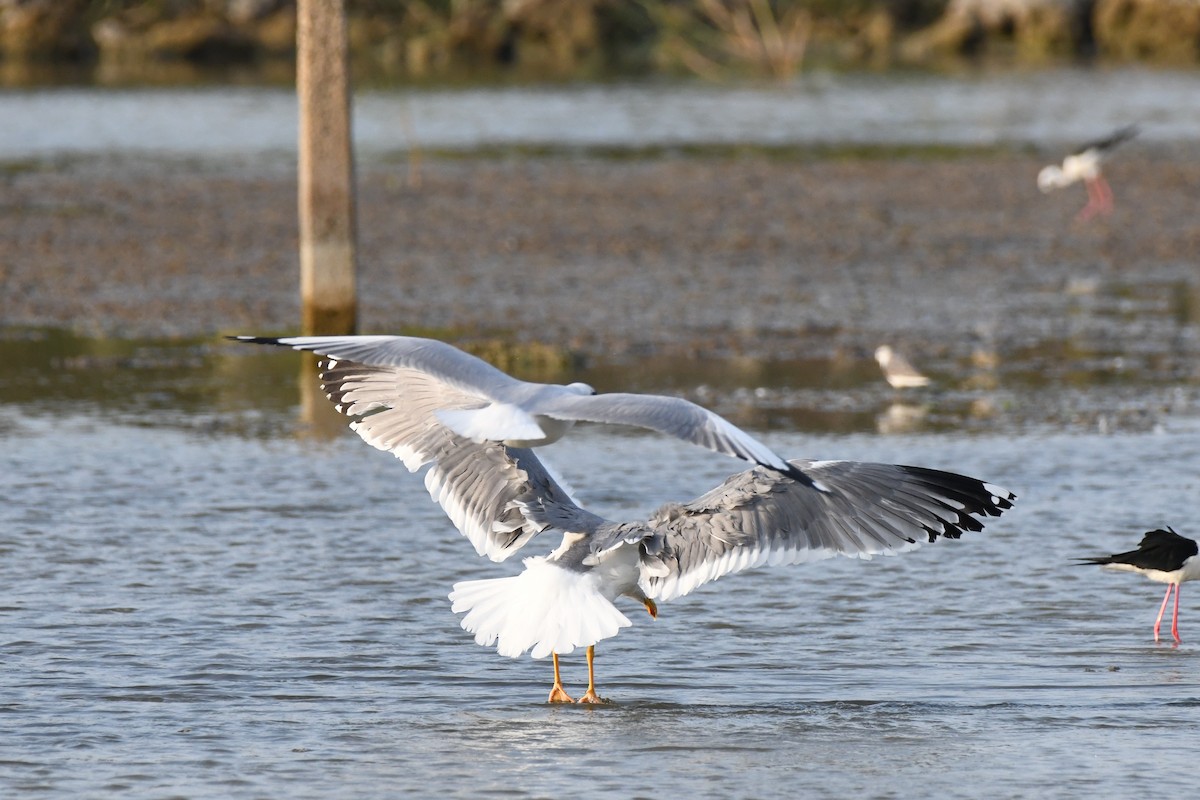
column 580, row 389
column 883, row 355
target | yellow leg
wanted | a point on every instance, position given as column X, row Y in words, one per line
column 557, row 695
column 590, row 696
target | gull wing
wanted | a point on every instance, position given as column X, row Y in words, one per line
column 759, row 517
column 673, row 416
column 444, row 362
column 483, row 487
column 475, row 377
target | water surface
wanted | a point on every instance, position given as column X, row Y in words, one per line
column 257, row 608
column 209, row 588
column 1056, row 106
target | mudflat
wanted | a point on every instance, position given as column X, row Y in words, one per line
column 714, row 256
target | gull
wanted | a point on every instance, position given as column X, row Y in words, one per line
column 1084, row 165
column 480, row 402
column 1163, row 556
column 500, row 496
column 897, row 371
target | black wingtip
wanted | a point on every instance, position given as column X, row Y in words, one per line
column 796, row 474
column 257, row 340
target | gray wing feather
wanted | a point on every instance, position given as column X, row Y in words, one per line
column 673, row 416
column 476, row 378
column 485, row 488
column 463, row 371
column 856, row 509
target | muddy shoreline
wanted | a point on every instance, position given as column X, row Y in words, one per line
column 717, row 257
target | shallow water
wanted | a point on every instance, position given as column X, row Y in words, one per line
column 205, row 596
column 1053, row 106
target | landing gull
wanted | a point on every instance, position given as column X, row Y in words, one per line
column 1163, row 556
column 480, row 402
column 500, row 496
column 1084, row 165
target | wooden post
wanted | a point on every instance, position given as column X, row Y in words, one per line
column 327, row 230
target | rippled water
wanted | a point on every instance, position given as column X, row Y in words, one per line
column 217, row 600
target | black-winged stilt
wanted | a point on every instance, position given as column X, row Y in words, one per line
column 1162, row 556
column 1084, row 165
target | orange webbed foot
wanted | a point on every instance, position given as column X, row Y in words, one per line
column 593, row 699
column 557, row 695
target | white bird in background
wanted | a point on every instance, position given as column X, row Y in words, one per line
column 1162, row 556
column 500, row 496
column 899, row 373
column 1084, row 165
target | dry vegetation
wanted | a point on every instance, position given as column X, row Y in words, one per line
column 440, row 39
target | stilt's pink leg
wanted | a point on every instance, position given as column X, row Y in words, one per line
column 1104, row 192
column 1161, row 609
column 1175, row 616
column 1094, row 203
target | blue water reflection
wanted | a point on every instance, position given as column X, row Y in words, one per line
column 1059, row 106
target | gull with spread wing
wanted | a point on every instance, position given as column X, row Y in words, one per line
column 501, row 495
column 479, row 402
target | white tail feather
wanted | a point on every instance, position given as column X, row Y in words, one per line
column 546, row 608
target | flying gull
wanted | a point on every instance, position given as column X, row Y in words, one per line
column 1084, row 165
column 477, row 401
column 1162, row 556
column 500, row 496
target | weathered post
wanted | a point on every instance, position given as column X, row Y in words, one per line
column 327, row 228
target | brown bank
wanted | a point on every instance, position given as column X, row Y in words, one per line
column 753, row 255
